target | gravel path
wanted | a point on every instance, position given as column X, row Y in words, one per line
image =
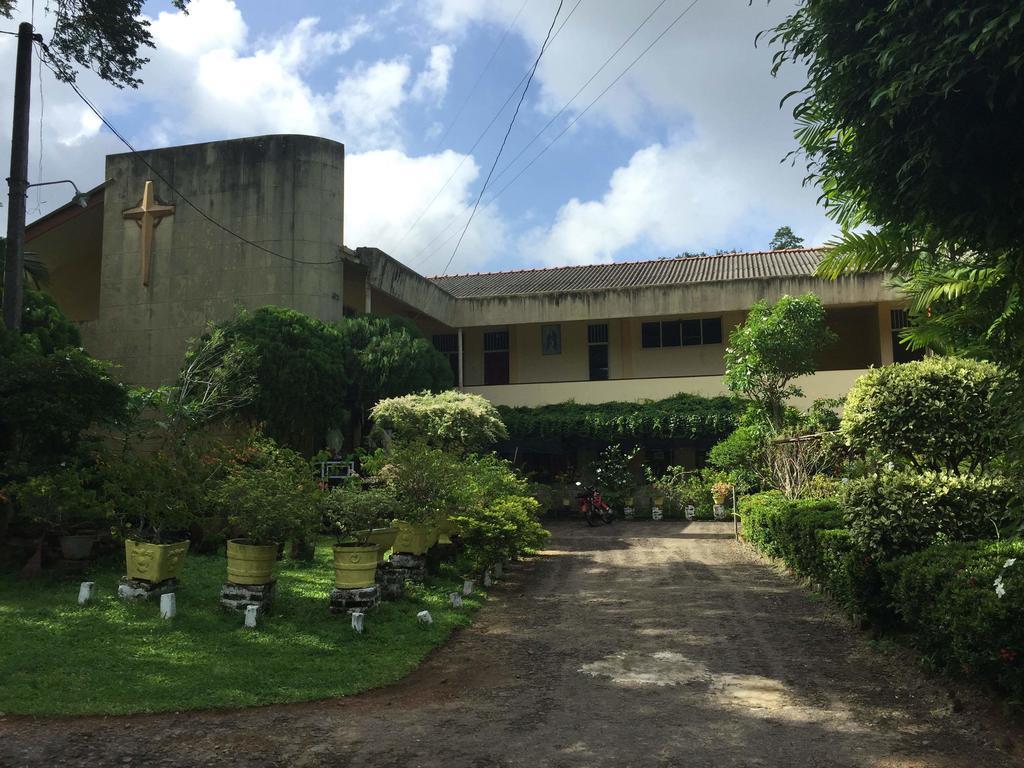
column 637, row 644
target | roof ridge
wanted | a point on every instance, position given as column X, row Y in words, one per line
column 621, row 263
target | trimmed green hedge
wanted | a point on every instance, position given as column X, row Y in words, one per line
column 946, row 596
column 683, row 416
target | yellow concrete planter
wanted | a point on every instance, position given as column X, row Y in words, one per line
column 251, row 563
column 414, row 539
column 154, row 562
column 354, row 566
column 446, row 530
column 382, row 538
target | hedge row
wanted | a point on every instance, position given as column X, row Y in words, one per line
column 962, row 604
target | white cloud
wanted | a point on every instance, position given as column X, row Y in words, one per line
column 433, row 81
column 706, row 76
column 368, row 102
column 387, row 190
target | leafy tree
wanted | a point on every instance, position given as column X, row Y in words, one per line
column 910, row 124
column 777, row 343
column 784, row 238
column 102, row 35
column 301, row 377
column 388, row 357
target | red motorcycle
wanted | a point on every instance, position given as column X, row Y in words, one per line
column 593, row 506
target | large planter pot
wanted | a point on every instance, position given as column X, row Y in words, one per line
column 251, row 563
column 355, row 566
column 414, row 538
column 154, row 562
column 446, row 530
column 77, row 546
column 382, row 538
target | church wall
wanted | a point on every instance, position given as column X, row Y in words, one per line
column 283, row 192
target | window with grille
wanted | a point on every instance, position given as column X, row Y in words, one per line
column 681, row 333
column 496, row 357
column 448, row 345
column 597, row 338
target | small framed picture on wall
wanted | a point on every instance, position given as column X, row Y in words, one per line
column 551, row 339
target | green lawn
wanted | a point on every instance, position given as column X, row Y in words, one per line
column 111, row 657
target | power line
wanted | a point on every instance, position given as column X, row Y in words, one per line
column 569, row 125
column 494, row 53
column 511, row 123
column 483, row 133
column 174, row 189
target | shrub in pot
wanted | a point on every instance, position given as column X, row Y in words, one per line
column 614, row 476
column 426, row 483
column 153, row 504
column 267, row 494
column 63, row 502
column 357, row 515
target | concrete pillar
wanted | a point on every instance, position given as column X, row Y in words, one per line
column 368, row 295
column 461, row 365
column 885, row 333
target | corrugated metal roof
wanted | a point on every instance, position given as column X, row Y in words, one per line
column 797, row 262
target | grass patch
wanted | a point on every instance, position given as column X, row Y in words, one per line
column 111, row 657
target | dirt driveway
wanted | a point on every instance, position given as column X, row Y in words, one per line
column 642, row 644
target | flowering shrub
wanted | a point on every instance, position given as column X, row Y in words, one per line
column 613, row 474
column 451, row 419
column 963, row 603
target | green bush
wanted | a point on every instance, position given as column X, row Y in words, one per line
column 940, row 413
column 267, row 494
column 152, row 497
column 502, row 530
column 427, row 483
column 849, row 575
column 742, row 455
column 787, row 529
column 898, row 512
column 964, row 604
column 351, row 509
column 453, row 420
column 64, row 501
column 614, row 475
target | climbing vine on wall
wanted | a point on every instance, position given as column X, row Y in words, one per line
column 682, row 416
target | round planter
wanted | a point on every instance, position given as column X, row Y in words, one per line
column 251, row 563
column 355, row 567
column 414, row 538
column 382, row 538
column 77, row 546
column 445, row 531
column 154, row 562
column 658, row 501
column 720, row 499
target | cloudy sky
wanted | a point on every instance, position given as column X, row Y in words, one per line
column 682, row 154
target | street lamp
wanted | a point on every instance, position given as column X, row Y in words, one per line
column 80, row 197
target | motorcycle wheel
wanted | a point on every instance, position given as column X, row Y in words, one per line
column 608, row 517
column 591, row 516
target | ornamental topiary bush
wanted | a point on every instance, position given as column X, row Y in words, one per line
column 941, row 414
column 963, row 605
column 787, row 529
column 898, row 512
column 452, row 419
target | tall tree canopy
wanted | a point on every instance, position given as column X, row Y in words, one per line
column 910, row 123
column 101, row 35
column 302, row 377
column 783, row 238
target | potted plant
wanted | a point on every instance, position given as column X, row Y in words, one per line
column 355, row 514
column 153, row 504
column 425, row 482
column 62, row 502
column 267, row 495
column 720, row 492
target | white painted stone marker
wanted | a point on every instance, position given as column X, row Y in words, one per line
column 357, row 621
column 467, row 587
column 86, row 592
column 425, row 617
column 168, row 606
column 456, row 599
column 250, row 615
column 487, row 579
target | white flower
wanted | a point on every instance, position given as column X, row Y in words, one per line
column 1000, row 590
column 1009, row 562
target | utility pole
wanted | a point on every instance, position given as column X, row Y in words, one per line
column 14, row 266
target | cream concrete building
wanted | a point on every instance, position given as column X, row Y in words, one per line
column 178, row 237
